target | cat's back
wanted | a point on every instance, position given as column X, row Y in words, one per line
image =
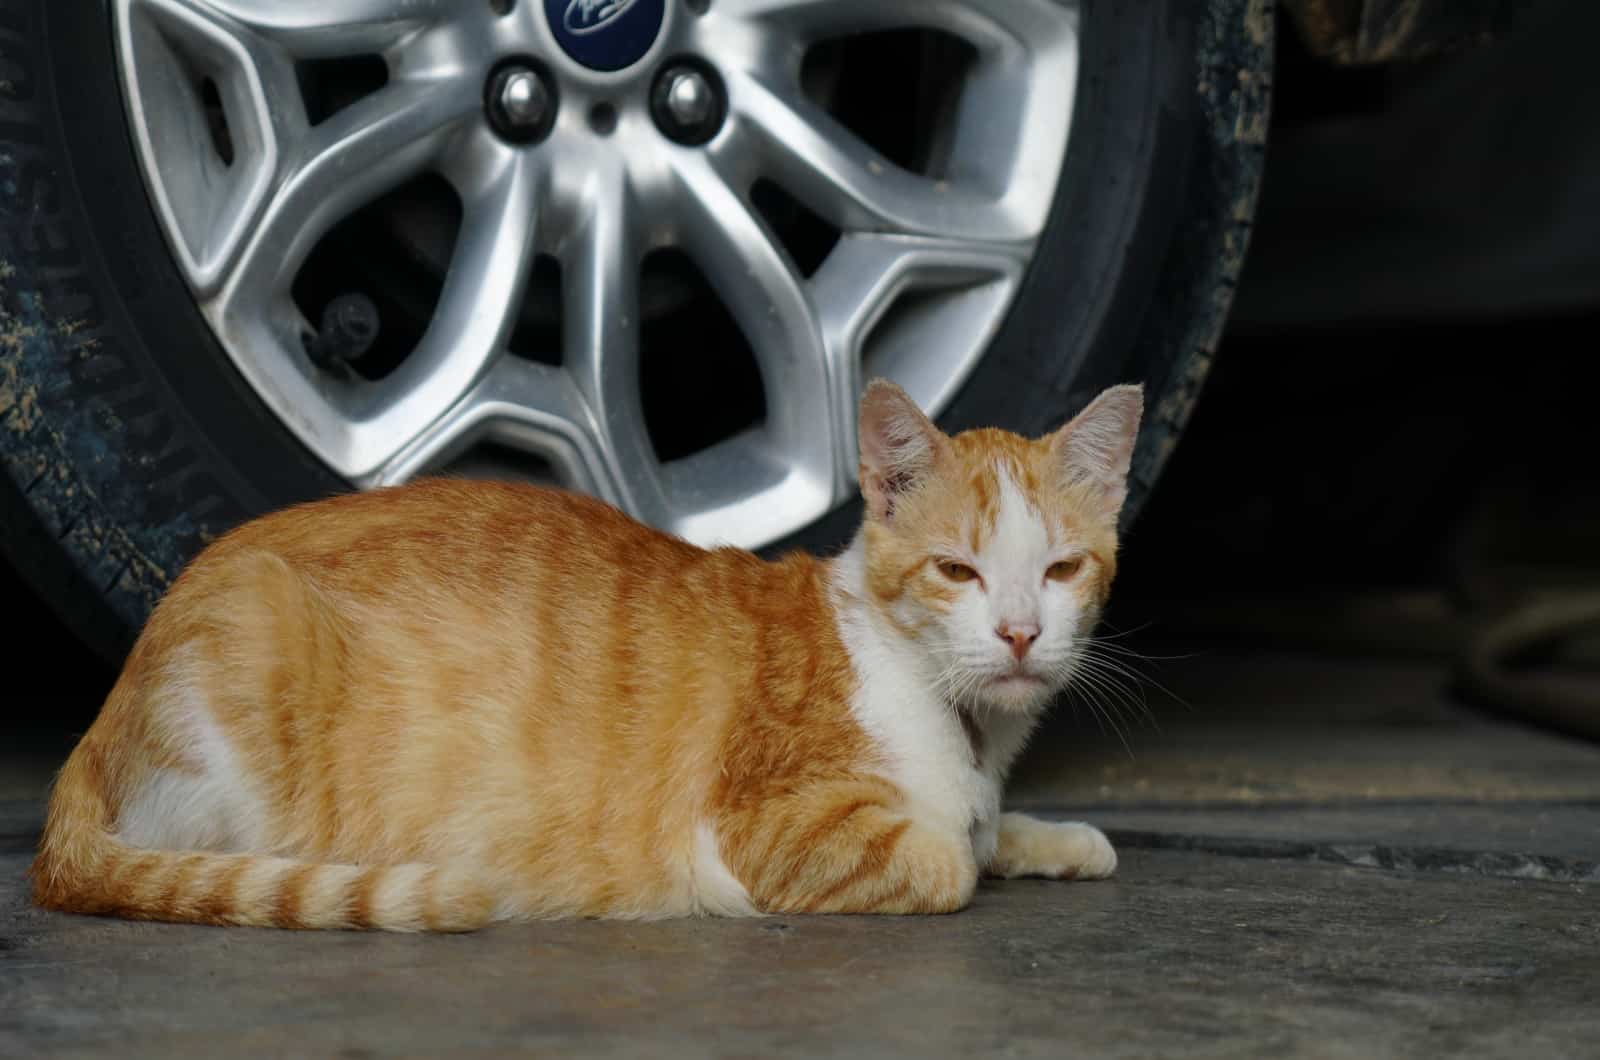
column 491, row 575
column 448, row 530
column 421, row 580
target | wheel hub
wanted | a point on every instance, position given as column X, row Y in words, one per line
column 605, row 35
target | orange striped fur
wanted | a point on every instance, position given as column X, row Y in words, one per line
column 438, row 705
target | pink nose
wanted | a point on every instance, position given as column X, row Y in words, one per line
column 1020, row 635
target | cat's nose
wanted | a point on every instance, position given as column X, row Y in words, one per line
column 1020, row 635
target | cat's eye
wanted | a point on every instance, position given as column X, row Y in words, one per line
column 1064, row 570
column 956, row 572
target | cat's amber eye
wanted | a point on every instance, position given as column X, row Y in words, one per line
column 957, row 572
column 1064, row 570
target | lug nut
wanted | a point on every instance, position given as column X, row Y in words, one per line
column 523, row 99
column 688, row 103
column 689, row 98
column 521, row 102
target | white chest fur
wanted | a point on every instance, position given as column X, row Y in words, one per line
column 927, row 752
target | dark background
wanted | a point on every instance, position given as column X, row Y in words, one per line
column 1396, row 443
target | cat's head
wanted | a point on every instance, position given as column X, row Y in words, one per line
column 991, row 552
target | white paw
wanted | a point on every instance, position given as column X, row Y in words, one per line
column 1091, row 856
column 1061, row 850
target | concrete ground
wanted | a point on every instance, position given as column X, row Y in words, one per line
column 1320, row 858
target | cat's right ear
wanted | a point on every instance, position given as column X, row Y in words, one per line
column 899, row 446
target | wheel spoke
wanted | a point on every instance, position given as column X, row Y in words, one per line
column 312, row 29
column 864, row 277
column 361, row 152
column 600, row 290
column 759, row 285
column 866, row 273
column 1007, row 131
column 841, row 178
column 986, row 24
column 471, row 324
column 529, row 407
column 206, row 201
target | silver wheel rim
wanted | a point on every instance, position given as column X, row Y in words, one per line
column 956, row 243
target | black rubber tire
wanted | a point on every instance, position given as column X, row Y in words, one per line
column 127, row 440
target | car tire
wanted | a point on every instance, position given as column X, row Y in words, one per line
column 128, row 440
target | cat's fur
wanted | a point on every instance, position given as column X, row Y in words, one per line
column 437, row 705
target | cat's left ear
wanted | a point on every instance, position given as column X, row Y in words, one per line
column 900, row 446
column 1096, row 447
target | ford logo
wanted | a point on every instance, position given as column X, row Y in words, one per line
column 592, row 16
column 605, row 35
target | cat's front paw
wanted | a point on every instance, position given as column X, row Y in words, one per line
column 1058, row 850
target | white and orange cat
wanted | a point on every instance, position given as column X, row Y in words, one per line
column 444, row 704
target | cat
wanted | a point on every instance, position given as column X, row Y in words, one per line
column 442, row 704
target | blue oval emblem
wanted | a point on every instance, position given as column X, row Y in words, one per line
column 605, row 34
column 591, row 16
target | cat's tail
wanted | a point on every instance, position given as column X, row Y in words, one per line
column 82, row 867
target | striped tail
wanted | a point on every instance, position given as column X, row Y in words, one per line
column 82, row 867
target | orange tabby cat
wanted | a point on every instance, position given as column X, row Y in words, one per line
column 433, row 706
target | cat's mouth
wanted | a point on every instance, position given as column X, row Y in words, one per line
column 1017, row 680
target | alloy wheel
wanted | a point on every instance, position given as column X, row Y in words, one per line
column 580, row 140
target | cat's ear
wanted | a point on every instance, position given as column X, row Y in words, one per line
column 1096, row 447
column 899, row 446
